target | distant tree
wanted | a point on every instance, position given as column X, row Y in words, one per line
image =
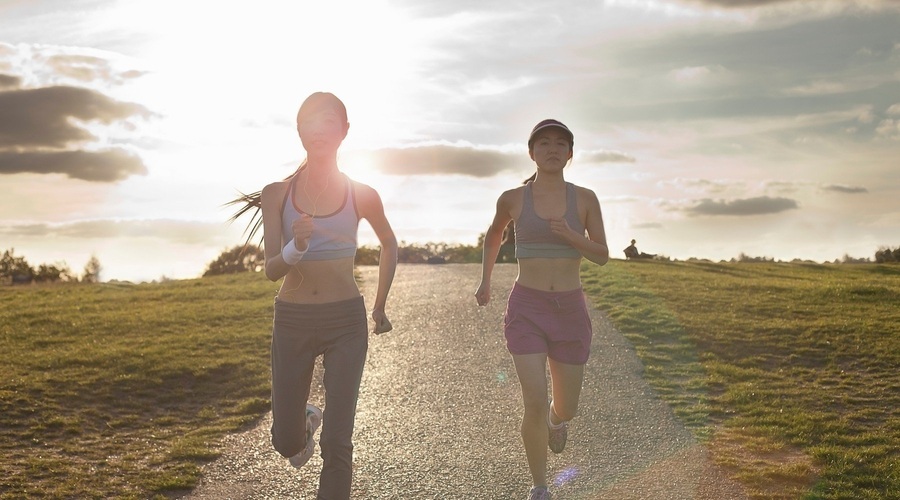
column 742, row 257
column 508, row 245
column 15, row 269
column 92, row 270
column 367, row 256
column 52, row 273
column 237, row 259
column 848, row 259
column 412, row 253
column 459, row 254
column 884, row 255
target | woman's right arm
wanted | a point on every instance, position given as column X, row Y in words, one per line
column 492, row 240
column 272, row 195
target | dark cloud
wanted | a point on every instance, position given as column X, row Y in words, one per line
column 42, row 117
column 54, row 129
column 446, row 159
column 737, row 3
column 760, row 3
column 837, row 188
column 773, row 70
column 762, row 205
column 9, row 81
column 100, row 166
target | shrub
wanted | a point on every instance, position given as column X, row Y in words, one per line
column 885, row 255
column 237, row 259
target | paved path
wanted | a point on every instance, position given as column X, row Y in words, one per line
column 439, row 414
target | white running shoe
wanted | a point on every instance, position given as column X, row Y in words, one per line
column 313, row 420
column 539, row 493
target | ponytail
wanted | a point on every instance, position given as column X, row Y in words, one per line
column 252, row 203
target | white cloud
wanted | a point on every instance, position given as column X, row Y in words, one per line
column 494, row 86
column 690, row 74
column 889, row 128
column 700, row 75
column 866, row 115
column 840, row 188
column 605, row 156
column 675, row 9
column 703, row 186
column 820, row 87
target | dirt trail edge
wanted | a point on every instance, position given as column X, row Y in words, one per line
column 439, row 409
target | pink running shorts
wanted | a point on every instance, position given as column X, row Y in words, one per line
column 555, row 323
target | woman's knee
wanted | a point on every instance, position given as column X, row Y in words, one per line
column 566, row 411
column 287, row 444
column 535, row 404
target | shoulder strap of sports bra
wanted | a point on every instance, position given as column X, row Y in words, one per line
column 351, row 194
column 528, row 197
column 287, row 193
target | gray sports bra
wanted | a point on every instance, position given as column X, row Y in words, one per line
column 533, row 235
column 334, row 235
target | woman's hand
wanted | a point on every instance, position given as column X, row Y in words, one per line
column 382, row 324
column 483, row 294
column 302, row 228
column 560, row 227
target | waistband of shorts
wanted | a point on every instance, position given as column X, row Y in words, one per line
column 534, row 293
column 323, row 309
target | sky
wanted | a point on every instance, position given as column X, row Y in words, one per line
column 707, row 128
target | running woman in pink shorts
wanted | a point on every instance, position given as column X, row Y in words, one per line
column 546, row 319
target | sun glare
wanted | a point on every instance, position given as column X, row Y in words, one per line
column 235, row 65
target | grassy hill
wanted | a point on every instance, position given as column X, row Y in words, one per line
column 118, row 391
column 789, row 372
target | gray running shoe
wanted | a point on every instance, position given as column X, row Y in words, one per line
column 558, row 435
column 539, row 493
column 313, row 420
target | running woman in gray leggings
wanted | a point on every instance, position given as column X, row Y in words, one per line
column 310, row 225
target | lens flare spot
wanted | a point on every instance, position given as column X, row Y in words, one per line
column 565, row 476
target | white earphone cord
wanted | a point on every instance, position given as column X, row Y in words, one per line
column 315, row 211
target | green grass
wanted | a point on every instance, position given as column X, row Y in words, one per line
column 123, row 391
column 789, row 372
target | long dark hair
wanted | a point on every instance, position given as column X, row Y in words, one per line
column 252, row 203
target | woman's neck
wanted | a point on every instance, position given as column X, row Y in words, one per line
column 320, row 173
column 549, row 180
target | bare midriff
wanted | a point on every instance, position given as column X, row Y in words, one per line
column 550, row 275
column 320, row 282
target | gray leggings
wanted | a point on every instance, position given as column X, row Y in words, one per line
column 301, row 333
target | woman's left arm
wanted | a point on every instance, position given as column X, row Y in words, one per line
column 371, row 209
column 593, row 247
